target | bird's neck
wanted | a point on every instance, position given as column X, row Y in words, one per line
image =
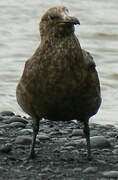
column 69, row 42
column 57, row 33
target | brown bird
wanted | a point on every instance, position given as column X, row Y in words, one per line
column 59, row 81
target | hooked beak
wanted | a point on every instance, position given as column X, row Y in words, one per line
column 71, row 20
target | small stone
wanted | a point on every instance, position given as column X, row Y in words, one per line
column 75, row 154
column 29, row 167
column 74, row 121
column 93, row 126
column 115, row 151
column 62, row 140
column 59, row 140
column 2, row 139
column 116, row 146
column 41, row 175
column 77, row 169
column 64, row 132
column 70, row 155
column 106, row 150
column 77, row 132
column 46, row 170
column 13, row 125
column 6, row 148
column 43, row 136
column 55, row 133
column 2, row 170
column 16, row 119
column 73, row 143
column 100, row 141
column 4, row 126
column 1, row 133
column 111, row 140
column 1, row 118
column 7, row 113
column 94, row 133
column 90, row 170
column 26, row 131
column 110, row 174
column 17, row 125
column 25, row 140
column 112, row 134
column 109, row 126
column 68, row 148
column 101, row 162
column 96, row 141
column 17, row 171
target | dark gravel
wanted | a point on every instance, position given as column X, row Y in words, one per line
column 60, row 151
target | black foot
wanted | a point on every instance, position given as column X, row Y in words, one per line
column 27, row 159
column 32, row 155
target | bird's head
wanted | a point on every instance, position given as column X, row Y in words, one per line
column 57, row 21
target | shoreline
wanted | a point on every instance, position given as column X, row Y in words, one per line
column 60, row 150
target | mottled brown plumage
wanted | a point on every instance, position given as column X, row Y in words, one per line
column 59, row 81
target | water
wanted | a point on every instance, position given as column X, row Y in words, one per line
column 98, row 33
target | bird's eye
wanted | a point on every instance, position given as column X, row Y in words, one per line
column 92, row 67
column 54, row 17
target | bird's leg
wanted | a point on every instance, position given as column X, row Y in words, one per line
column 35, row 132
column 87, row 136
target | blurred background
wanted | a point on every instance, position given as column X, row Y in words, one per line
column 98, row 33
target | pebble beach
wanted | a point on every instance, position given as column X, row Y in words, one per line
column 60, row 150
